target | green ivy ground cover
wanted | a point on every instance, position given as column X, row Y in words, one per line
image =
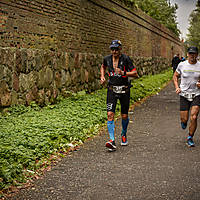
column 31, row 133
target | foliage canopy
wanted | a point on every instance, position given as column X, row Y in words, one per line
column 193, row 38
column 161, row 10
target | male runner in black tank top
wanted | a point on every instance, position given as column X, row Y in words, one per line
column 120, row 67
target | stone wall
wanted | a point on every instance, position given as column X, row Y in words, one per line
column 40, row 75
column 53, row 47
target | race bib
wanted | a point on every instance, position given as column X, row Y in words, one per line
column 119, row 89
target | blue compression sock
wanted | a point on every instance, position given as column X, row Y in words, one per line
column 124, row 126
column 111, row 129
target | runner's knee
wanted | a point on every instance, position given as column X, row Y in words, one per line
column 184, row 119
column 124, row 116
column 193, row 117
column 110, row 116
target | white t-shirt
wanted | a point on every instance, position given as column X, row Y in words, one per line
column 190, row 75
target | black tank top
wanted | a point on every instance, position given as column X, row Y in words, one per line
column 125, row 64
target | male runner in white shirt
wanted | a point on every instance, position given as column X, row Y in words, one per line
column 189, row 91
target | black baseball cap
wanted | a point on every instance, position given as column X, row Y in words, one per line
column 192, row 50
column 115, row 44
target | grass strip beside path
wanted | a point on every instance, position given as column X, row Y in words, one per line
column 30, row 134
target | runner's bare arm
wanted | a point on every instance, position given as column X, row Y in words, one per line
column 132, row 73
column 102, row 71
column 175, row 79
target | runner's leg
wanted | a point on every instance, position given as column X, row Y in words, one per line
column 111, row 125
column 184, row 111
column 124, row 101
column 193, row 120
column 184, row 116
column 125, row 121
column 111, row 105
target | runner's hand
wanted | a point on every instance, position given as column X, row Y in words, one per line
column 178, row 90
column 102, row 81
column 198, row 84
column 119, row 71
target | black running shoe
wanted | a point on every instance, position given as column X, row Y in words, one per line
column 183, row 125
column 111, row 145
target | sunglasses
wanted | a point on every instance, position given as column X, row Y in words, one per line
column 114, row 49
column 192, row 53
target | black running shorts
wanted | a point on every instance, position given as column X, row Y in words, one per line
column 185, row 104
column 112, row 101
